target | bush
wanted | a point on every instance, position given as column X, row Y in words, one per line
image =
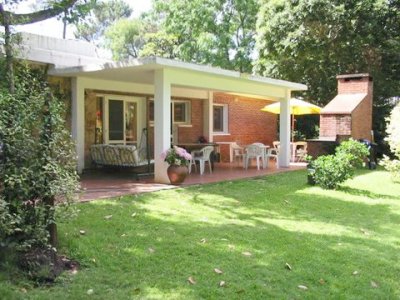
column 393, row 139
column 38, row 163
column 353, row 151
column 331, row 170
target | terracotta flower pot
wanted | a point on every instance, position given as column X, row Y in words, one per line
column 177, row 174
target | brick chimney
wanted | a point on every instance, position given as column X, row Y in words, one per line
column 349, row 114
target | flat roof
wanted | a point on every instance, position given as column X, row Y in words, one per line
column 153, row 63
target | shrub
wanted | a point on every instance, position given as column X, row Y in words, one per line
column 38, row 163
column 393, row 139
column 331, row 170
column 353, row 151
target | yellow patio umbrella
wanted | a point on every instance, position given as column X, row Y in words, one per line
column 297, row 107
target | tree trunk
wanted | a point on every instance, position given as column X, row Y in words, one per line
column 52, row 228
column 64, row 36
column 8, row 51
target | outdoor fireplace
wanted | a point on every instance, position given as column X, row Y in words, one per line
column 347, row 115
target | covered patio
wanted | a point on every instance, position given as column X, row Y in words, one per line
column 157, row 81
column 100, row 184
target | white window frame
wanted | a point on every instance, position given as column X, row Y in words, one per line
column 188, row 112
column 225, row 120
column 140, row 121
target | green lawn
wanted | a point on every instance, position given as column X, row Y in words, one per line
column 341, row 244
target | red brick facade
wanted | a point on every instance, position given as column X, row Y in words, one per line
column 361, row 125
column 247, row 123
column 191, row 134
column 333, row 125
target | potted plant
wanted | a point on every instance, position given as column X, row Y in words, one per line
column 178, row 160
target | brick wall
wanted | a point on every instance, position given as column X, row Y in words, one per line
column 247, row 123
column 361, row 117
column 191, row 134
column 354, row 84
column 333, row 125
column 362, row 121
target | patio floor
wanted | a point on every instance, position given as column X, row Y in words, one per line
column 99, row 184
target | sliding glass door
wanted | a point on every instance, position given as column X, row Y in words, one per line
column 123, row 119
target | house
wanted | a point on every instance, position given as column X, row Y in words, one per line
column 112, row 101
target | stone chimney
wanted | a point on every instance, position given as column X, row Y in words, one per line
column 349, row 114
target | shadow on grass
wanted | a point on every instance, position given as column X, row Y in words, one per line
column 366, row 193
column 153, row 256
column 148, row 246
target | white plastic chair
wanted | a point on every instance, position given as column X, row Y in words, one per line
column 202, row 156
column 257, row 152
column 237, row 152
column 274, row 152
column 264, row 147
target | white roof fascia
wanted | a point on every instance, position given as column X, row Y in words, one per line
column 157, row 63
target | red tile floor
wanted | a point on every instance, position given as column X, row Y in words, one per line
column 100, row 184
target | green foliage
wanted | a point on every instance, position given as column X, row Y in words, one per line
column 352, row 151
column 103, row 15
column 125, row 38
column 160, row 44
column 332, row 170
column 393, row 139
column 313, row 41
column 219, row 33
column 38, row 164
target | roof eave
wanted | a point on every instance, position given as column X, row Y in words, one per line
column 158, row 62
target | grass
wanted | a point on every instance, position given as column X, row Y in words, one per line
column 340, row 244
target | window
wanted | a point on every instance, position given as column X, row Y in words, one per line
column 180, row 111
column 122, row 120
column 220, row 118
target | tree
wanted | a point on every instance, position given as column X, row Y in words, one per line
column 34, row 143
column 103, row 15
column 313, row 41
column 160, row 44
column 8, row 18
column 125, row 38
column 393, row 139
column 220, row 33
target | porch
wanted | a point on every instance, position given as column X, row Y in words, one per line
column 157, row 94
column 101, row 184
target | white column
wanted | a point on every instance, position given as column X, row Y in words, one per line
column 284, row 131
column 78, row 120
column 162, row 123
column 208, row 117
